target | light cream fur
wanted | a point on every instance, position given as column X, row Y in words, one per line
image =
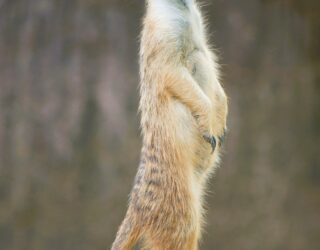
column 181, row 100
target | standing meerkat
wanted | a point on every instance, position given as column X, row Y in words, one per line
column 183, row 120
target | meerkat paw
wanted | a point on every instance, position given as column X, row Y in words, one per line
column 211, row 140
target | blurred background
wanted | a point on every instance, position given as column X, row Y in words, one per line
column 69, row 128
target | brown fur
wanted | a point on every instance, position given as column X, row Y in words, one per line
column 181, row 101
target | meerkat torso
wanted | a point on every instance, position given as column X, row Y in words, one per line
column 166, row 200
column 174, row 34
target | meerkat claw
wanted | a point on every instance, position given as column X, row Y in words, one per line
column 222, row 137
column 211, row 140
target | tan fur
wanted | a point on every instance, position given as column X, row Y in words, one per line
column 181, row 101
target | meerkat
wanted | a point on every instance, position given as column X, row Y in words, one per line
column 183, row 111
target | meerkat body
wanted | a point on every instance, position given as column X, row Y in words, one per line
column 182, row 102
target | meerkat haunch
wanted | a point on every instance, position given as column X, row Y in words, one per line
column 183, row 119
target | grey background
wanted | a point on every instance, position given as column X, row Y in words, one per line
column 69, row 128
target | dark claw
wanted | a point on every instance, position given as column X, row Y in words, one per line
column 222, row 138
column 212, row 141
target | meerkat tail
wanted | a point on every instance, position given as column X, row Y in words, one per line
column 127, row 235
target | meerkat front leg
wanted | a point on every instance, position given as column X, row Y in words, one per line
column 182, row 86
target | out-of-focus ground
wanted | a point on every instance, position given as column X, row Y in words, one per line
column 69, row 128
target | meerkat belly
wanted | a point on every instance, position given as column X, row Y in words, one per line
column 183, row 125
column 200, row 67
column 187, row 138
